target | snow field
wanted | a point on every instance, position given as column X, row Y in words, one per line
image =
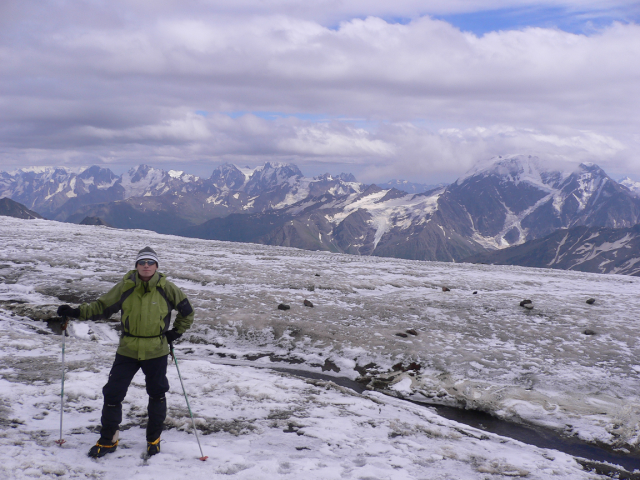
column 476, row 350
column 254, row 424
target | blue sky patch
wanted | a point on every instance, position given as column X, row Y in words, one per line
column 519, row 18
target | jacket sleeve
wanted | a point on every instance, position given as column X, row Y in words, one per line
column 105, row 306
column 181, row 303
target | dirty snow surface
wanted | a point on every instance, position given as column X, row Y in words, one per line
column 475, row 350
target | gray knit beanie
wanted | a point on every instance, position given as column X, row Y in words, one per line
column 147, row 253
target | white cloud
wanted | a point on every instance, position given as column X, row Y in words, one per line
column 124, row 80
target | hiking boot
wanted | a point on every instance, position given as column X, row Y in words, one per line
column 153, row 447
column 104, row 446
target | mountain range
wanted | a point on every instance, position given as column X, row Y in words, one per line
column 503, row 202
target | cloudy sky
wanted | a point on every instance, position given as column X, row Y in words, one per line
column 414, row 89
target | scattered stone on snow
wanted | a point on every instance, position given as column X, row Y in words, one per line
column 293, row 428
column 400, row 334
column 401, row 367
column 591, row 301
column 525, row 303
column 446, row 289
column 307, row 303
column 366, row 369
column 412, row 332
column 317, row 274
column 588, row 331
column 284, row 306
column 475, row 292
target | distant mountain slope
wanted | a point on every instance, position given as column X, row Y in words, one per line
column 9, row 208
column 409, row 187
column 514, row 199
column 586, row 249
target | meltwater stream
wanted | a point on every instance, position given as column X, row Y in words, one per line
column 538, row 437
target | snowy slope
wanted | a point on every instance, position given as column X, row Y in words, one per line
column 481, row 350
column 258, row 424
column 254, row 424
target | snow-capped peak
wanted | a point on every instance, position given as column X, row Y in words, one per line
column 519, row 168
column 631, row 185
column 140, row 180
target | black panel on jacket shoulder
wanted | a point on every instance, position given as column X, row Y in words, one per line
column 184, row 308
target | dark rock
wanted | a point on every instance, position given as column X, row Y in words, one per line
column 403, row 335
column 94, row 221
column 589, row 332
column 329, row 365
column 412, row 332
column 525, row 302
column 475, row 293
column 413, row 366
column 284, row 306
column 591, row 301
column 307, row 303
column 365, row 370
column 252, row 357
column 446, row 289
column 380, row 383
column 317, row 274
column 291, row 428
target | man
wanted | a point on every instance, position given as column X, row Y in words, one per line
column 145, row 299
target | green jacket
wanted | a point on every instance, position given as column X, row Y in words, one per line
column 145, row 313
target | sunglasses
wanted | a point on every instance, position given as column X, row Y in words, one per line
column 146, row 262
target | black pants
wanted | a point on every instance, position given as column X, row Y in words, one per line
column 122, row 372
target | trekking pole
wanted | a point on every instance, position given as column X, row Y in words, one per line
column 175, row 359
column 63, row 325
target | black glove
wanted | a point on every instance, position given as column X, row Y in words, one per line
column 67, row 311
column 172, row 335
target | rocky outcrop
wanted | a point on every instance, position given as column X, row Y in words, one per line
column 94, row 221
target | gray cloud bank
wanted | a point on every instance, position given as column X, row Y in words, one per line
column 186, row 83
